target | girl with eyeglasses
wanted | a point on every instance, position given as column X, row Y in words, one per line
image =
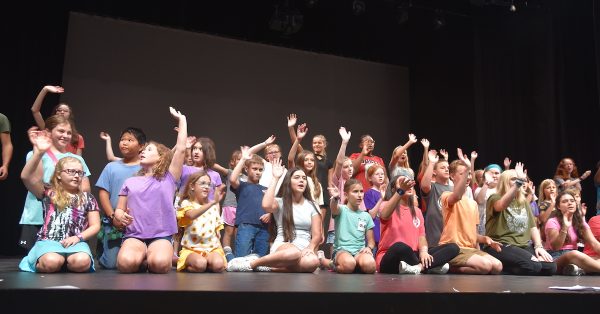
column 70, row 215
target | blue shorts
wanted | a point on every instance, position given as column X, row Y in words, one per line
column 149, row 241
column 49, row 246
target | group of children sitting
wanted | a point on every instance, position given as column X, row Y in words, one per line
column 161, row 207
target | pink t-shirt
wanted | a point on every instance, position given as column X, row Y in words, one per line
column 150, row 202
column 594, row 224
column 80, row 144
column 400, row 227
column 552, row 223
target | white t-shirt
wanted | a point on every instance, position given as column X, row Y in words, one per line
column 303, row 214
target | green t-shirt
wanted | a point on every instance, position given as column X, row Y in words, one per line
column 4, row 124
column 350, row 229
column 510, row 226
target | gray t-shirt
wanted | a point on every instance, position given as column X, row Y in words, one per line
column 433, row 215
column 302, row 222
column 4, row 124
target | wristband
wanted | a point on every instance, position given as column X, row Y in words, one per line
column 80, row 237
column 538, row 246
column 400, row 192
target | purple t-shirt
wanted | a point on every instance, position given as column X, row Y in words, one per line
column 371, row 198
column 215, row 179
column 150, row 202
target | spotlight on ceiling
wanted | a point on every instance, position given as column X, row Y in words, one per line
column 358, row 7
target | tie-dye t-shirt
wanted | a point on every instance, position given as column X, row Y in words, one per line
column 70, row 221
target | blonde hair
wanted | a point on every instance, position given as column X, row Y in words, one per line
column 403, row 164
column 61, row 198
column 164, row 161
column 543, row 186
column 504, row 186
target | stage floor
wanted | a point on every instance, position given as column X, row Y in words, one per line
column 347, row 291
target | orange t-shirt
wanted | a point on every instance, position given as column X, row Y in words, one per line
column 460, row 222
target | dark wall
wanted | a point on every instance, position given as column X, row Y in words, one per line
column 522, row 84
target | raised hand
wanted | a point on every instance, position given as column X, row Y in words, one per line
column 277, row 168
column 444, row 153
column 189, row 141
column 463, row 157
column 41, row 140
column 333, row 191
column 54, row 89
column 219, row 193
column 425, row 143
column 104, row 136
column 291, row 120
column 474, row 155
column 433, row 156
column 302, row 130
column 270, row 140
column 412, row 138
column 345, row 134
column 488, row 178
column 585, row 175
column 175, row 113
column 246, row 155
column 520, row 170
column 507, row 163
column 382, row 189
column 405, row 183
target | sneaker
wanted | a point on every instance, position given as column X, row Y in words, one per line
column 440, row 270
column 251, row 257
column 573, row 270
column 404, row 268
column 239, row 264
column 262, row 269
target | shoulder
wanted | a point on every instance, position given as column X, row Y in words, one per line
column 354, row 155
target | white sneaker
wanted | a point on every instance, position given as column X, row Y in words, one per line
column 251, row 257
column 573, row 270
column 404, row 268
column 262, row 269
column 320, row 254
column 239, row 264
column 440, row 270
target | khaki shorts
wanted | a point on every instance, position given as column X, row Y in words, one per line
column 463, row 256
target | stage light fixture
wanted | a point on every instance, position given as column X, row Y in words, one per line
column 358, row 7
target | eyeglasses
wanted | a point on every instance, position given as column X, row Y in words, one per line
column 73, row 172
column 203, row 184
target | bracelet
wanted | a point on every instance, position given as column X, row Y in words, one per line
column 538, row 246
column 400, row 192
column 80, row 237
column 112, row 217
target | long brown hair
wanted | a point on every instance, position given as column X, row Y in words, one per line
column 578, row 225
column 287, row 212
column 312, row 173
column 562, row 172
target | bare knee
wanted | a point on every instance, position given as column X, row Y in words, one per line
column 309, row 263
column 345, row 264
column 50, row 263
column 217, row 265
column 197, row 265
column 127, row 263
column 368, row 267
column 79, row 262
column 159, row 265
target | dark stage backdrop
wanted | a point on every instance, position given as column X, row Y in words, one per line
column 522, row 84
column 120, row 74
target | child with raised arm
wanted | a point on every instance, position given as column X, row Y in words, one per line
column 432, row 191
column 76, row 144
column 567, row 175
column 403, row 248
column 399, row 158
column 306, row 161
column 60, row 131
column 109, row 184
column 363, row 160
column 252, row 236
column 510, row 222
column 145, row 206
column 461, row 217
column 201, row 245
column 352, row 226
column 298, row 227
column 70, row 215
column 491, row 173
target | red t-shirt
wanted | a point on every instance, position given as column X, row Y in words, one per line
column 368, row 161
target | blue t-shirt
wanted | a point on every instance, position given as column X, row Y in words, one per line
column 249, row 203
column 33, row 209
column 112, row 177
